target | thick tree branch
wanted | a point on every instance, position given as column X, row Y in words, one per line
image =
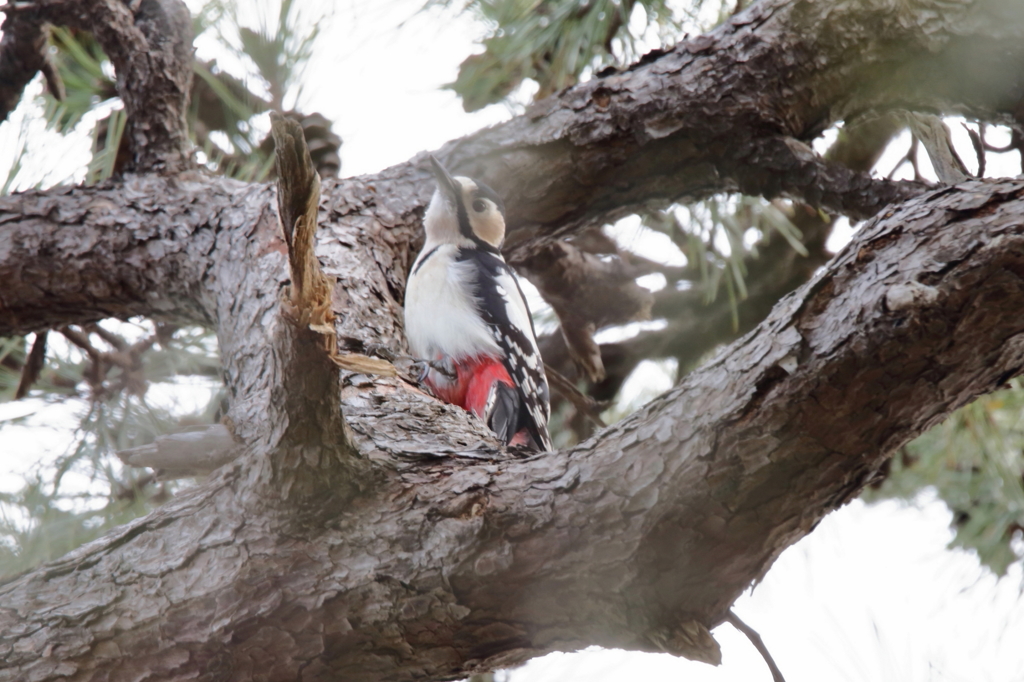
column 677, row 125
column 149, row 42
column 142, row 247
column 731, row 110
column 429, row 553
column 639, row 538
column 22, row 56
column 682, row 124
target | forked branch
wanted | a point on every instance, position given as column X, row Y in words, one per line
column 149, row 44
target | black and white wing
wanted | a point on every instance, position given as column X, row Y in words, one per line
column 504, row 308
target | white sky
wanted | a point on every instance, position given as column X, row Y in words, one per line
column 872, row 595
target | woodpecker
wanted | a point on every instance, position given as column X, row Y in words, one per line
column 466, row 315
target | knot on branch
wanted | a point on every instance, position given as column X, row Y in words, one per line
column 901, row 297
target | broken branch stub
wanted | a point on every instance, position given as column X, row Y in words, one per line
column 298, row 196
column 308, row 298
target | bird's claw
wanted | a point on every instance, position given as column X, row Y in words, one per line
column 419, row 368
column 446, row 367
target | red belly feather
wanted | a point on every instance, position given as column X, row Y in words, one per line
column 475, row 377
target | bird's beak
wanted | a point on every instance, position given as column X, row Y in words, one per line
column 445, row 182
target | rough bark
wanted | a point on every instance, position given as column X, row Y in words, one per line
column 731, row 110
column 694, row 326
column 428, row 552
column 149, row 43
column 450, row 563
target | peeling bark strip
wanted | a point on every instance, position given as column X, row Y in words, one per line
column 298, row 198
column 310, row 379
column 632, row 540
column 309, row 294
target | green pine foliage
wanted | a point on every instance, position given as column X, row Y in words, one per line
column 552, row 42
column 106, row 386
column 974, row 462
column 37, row 525
column 116, row 384
column 719, row 236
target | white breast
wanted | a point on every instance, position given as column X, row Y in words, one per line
column 441, row 319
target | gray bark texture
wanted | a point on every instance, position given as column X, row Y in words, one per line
column 402, row 542
column 149, row 43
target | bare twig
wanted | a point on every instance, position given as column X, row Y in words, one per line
column 1008, row 147
column 1016, row 143
column 126, row 357
column 584, row 404
column 33, row 366
column 979, row 147
column 81, row 340
column 911, row 158
column 758, row 643
column 110, row 337
column 935, row 137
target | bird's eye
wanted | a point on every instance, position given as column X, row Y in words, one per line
column 479, row 206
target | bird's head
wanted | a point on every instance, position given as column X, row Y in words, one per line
column 464, row 209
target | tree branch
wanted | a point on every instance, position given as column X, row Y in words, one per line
column 149, row 42
column 74, row 256
column 462, row 558
column 684, row 123
column 22, row 55
column 640, row 538
column 598, row 149
column 758, row 643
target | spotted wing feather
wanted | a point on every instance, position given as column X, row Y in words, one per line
column 503, row 307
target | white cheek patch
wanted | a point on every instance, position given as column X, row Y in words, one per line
column 489, row 226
